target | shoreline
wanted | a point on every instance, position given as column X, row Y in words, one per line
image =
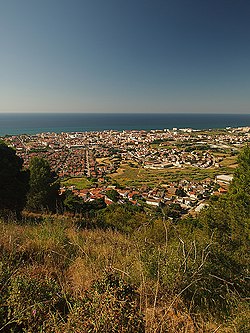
column 30, row 124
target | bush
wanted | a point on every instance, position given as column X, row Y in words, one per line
column 34, row 304
column 124, row 218
column 110, row 305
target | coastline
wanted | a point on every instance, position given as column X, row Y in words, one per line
column 34, row 123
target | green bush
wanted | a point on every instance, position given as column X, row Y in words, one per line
column 124, row 218
column 34, row 304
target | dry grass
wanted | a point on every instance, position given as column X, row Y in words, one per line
column 76, row 258
column 128, row 176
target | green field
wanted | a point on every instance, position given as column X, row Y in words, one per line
column 79, row 183
column 229, row 162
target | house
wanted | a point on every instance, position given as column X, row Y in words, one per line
column 153, row 202
column 108, row 201
column 224, row 179
column 201, row 206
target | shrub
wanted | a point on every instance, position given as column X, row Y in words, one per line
column 34, row 304
column 110, row 305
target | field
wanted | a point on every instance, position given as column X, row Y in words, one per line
column 134, row 175
column 79, row 183
column 138, row 176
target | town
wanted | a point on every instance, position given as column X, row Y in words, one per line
column 100, row 158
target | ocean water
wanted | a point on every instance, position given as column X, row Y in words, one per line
column 32, row 123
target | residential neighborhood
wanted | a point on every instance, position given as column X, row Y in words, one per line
column 97, row 155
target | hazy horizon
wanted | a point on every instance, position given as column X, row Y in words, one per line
column 122, row 113
column 115, row 56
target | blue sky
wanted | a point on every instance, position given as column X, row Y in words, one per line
column 125, row 56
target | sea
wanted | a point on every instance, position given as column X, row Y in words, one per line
column 34, row 123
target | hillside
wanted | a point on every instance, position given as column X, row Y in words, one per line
column 121, row 269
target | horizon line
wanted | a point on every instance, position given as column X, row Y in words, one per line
column 122, row 113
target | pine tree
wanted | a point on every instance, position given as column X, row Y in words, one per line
column 43, row 193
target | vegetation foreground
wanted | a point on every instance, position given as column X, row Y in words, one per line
column 119, row 269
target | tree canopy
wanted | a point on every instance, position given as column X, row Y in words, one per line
column 113, row 195
column 43, row 193
column 240, row 187
column 13, row 182
column 226, row 222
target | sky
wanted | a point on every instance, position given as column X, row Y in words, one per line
column 162, row 56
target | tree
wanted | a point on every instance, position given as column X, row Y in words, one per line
column 43, row 193
column 72, row 203
column 228, row 217
column 13, row 182
column 180, row 192
column 113, row 195
column 239, row 190
column 226, row 223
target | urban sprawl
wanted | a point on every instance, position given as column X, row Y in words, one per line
column 100, row 156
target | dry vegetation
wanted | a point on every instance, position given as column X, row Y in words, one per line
column 138, row 176
column 63, row 260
